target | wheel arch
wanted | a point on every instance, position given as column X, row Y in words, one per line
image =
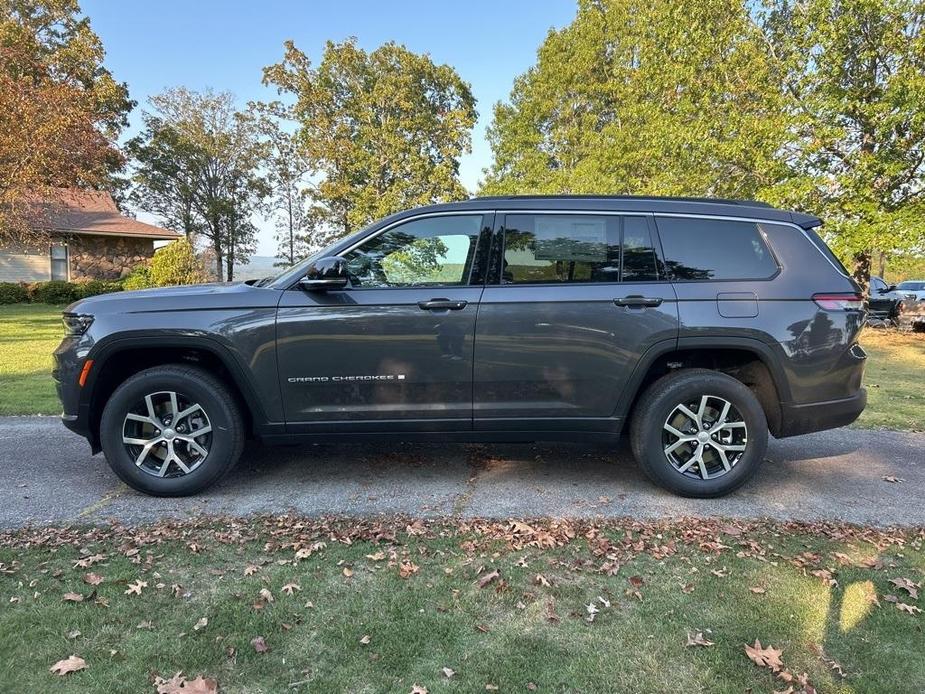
column 750, row 361
column 115, row 360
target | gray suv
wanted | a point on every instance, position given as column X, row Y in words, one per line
column 697, row 326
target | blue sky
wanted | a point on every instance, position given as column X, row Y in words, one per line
column 224, row 45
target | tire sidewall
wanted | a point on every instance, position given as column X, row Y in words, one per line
column 667, row 396
column 214, row 401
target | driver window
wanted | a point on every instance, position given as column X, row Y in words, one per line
column 434, row 251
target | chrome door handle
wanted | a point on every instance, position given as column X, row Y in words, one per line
column 442, row 305
column 638, row 301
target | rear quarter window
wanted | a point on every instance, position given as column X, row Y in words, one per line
column 714, row 249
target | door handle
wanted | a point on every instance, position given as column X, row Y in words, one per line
column 638, row 301
column 442, row 305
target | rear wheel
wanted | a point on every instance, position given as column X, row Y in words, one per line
column 699, row 433
column 171, row 431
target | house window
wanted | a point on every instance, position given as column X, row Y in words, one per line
column 59, row 262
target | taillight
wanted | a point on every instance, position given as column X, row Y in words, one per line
column 839, row 302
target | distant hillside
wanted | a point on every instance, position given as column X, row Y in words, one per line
column 260, row 266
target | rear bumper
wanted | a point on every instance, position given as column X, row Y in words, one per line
column 818, row 416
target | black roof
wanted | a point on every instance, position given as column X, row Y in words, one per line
column 720, row 207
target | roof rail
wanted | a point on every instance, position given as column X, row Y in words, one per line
column 715, row 201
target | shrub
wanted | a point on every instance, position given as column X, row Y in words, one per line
column 54, row 292
column 13, row 293
column 176, row 263
column 139, row 278
column 87, row 288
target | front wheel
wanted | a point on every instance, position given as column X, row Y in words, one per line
column 171, row 431
column 699, row 433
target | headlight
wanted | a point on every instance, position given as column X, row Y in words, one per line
column 76, row 323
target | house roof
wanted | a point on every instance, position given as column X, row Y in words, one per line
column 92, row 212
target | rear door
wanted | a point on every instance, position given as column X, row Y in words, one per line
column 393, row 350
column 573, row 301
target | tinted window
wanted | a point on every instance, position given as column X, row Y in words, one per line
column 434, row 251
column 912, row 286
column 576, row 248
column 711, row 249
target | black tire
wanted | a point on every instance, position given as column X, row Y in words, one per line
column 227, row 429
column 689, row 385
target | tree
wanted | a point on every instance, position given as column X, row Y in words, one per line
column 197, row 164
column 60, row 109
column 176, row 263
column 382, row 131
column 643, row 97
column 287, row 179
column 854, row 73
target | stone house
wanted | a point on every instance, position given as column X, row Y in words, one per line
column 89, row 239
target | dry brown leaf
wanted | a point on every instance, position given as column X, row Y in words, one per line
column 376, row 556
column 70, row 664
column 135, row 588
column 908, row 586
column 720, row 573
column 251, row 569
column 266, row 595
column 491, row 687
column 72, row 597
column 178, row 684
column 92, row 579
column 698, row 639
column 448, row 672
column 365, row 639
column 911, row 609
column 348, row 572
column 541, row 580
column 259, row 644
column 757, row 590
column 202, row 623
column 291, row 588
column 408, row 568
column 687, row 588
column 636, row 581
column 765, row 657
column 418, row 689
column 488, row 578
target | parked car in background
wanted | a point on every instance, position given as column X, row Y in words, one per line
column 695, row 326
column 912, row 289
column 884, row 302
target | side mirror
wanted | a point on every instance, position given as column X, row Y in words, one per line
column 325, row 273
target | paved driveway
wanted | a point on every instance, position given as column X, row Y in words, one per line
column 47, row 475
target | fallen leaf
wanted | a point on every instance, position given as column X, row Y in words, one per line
column 348, row 572
column 178, row 684
column 698, row 640
column 491, row 687
column 911, row 609
column 266, row 595
column 687, row 588
column 73, row 634
column 541, row 580
column 259, row 644
column 291, row 588
column 891, row 479
column 408, row 568
column 758, row 590
column 71, row 664
column 908, row 586
column 251, row 569
column 73, row 597
column 488, row 578
column 376, row 556
column 365, row 639
column 92, row 579
column 636, row 581
column 448, row 672
column 765, row 657
column 135, row 588
column 720, row 573
column 418, row 689
column 201, row 624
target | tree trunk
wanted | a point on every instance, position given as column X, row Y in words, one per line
column 882, row 263
column 217, row 246
column 861, row 270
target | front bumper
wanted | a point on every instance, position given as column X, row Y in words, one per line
column 819, row 416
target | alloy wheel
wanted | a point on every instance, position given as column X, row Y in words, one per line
column 167, row 434
column 704, row 439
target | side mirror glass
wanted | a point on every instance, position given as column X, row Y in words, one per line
column 325, row 273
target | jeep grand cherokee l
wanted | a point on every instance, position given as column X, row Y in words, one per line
column 698, row 326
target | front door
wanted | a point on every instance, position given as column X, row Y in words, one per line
column 574, row 302
column 393, row 350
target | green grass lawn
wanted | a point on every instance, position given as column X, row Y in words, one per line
column 28, row 334
column 383, row 605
